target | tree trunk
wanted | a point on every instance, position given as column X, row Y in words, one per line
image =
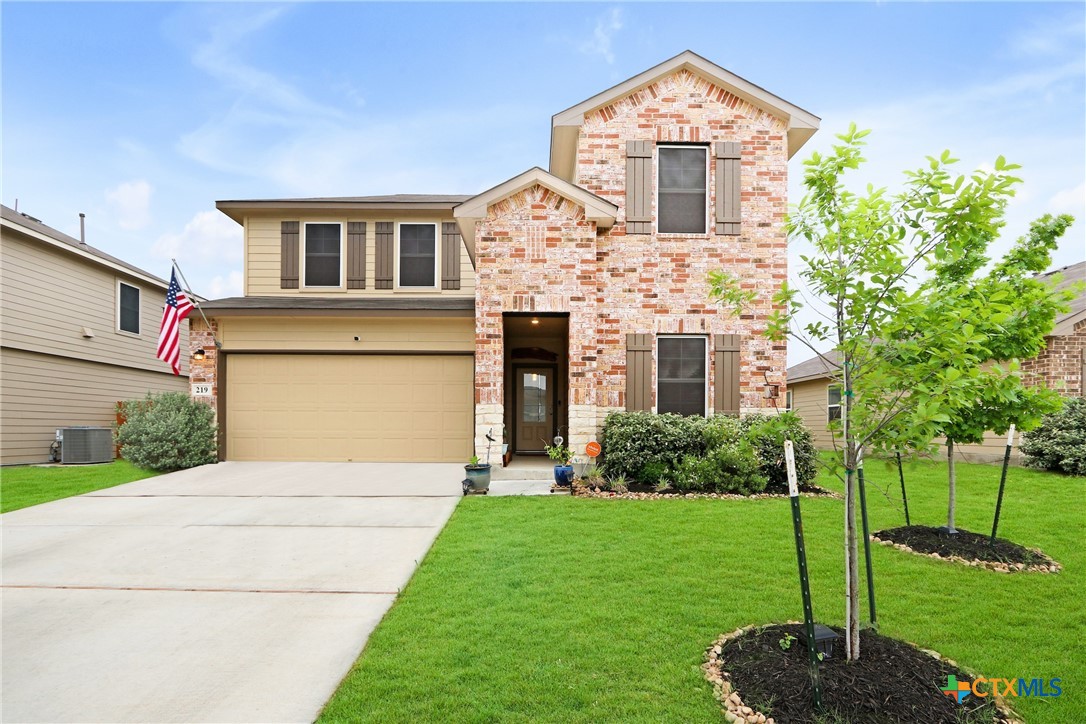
column 852, row 568
column 953, row 481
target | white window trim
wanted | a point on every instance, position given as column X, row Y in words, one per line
column 139, row 310
column 789, row 400
column 656, row 190
column 342, row 257
column 656, row 367
column 828, row 405
column 437, row 256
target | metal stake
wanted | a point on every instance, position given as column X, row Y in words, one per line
column 1002, row 482
column 867, row 546
column 804, row 580
column 904, row 498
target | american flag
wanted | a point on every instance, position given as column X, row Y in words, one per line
column 177, row 308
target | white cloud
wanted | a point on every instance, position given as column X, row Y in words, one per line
column 1053, row 36
column 131, row 203
column 208, row 237
column 607, row 25
column 221, row 286
column 1069, row 201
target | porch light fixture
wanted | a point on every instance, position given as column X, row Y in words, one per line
column 199, row 355
column 535, row 320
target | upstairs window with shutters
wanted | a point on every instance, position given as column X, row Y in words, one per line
column 418, row 255
column 682, row 189
column 323, row 255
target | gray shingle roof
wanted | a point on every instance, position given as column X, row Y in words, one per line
column 33, row 224
column 451, row 199
column 814, row 368
column 324, row 304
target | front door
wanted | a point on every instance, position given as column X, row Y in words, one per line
column 534, row 408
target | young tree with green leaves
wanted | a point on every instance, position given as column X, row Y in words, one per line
column 863, row 282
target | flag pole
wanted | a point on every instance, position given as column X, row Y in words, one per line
column 196, row 304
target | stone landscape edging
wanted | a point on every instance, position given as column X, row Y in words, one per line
column 1051, row 567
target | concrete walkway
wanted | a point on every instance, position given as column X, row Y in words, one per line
column 238, row 592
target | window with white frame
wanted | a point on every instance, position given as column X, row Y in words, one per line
column 788, row 402
column 323, row 255
column 681, row 364
column 833, row 403
column 682, row 189
column 418, row 255
column 128, row 308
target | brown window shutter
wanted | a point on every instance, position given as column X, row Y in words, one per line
column 728, row 188
column 356, row 255
column 288, row 255
column 384, row 255
column 638, row 372
column 727, row 374
column 450, row 255
column 638, row 187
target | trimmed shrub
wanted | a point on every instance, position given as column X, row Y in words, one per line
column 1059, row 443
column 633, row 440
column 729, row 468
column 166, row 432
column 767, row 434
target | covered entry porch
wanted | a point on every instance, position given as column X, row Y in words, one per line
column 536, row 376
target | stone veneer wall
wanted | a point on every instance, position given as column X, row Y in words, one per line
column 203, row 372
column 536, row 253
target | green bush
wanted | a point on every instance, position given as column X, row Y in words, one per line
column 767, row 434
column 165, row 432
column 633, row 440
column 1059, row 443
column 729, row 468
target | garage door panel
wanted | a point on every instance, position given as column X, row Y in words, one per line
column 346, row 407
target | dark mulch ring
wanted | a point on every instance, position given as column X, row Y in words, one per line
column 636, row 491
column 761, row 674
column 965, row 547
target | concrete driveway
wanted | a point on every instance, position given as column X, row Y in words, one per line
column 237, row 592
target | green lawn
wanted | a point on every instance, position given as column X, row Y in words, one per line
column 22, row 487
column 553, row 609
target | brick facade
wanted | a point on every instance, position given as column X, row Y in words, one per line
column 537, row 253
column 1060, row 364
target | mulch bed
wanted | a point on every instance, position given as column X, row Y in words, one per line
column 965, row 547
column 759, row 679
column 638, row 492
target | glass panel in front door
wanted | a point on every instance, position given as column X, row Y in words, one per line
column 535, row 413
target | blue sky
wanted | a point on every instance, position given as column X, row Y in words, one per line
column 142, row 115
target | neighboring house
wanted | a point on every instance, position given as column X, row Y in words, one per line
column 408, row 327
column 1061, row 366
column 78, row 333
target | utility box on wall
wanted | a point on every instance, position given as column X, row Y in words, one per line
column 81, row 445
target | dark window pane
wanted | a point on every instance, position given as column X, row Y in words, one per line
column 322, row 255
column 834, row 394
column 681, row 191
column 681, row 375
column 833, row 413
column 130, row 309
column 418, row 250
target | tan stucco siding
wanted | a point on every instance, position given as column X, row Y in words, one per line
column 50, row 296
column 430, row 334
column 43, row 392
column 262, row 254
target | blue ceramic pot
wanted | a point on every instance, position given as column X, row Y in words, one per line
column 563, row 475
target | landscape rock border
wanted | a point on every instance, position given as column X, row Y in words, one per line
column 583, row 491
column 732, row 706
column 1051, row 566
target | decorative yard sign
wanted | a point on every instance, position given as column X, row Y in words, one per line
column 201, row 389
column 593, row 449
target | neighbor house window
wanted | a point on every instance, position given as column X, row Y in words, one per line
column 833, row 403
column 418, row 255
column 128, row 308
column 681, row 190
column 788, row 403
column 680, row 377
column 323, row 254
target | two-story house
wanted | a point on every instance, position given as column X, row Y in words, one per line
column 408, row 327
column 78, row 333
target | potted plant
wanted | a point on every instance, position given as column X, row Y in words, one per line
column 561, row 455
column 478, row 476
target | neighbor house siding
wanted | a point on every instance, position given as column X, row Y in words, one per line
column 264, row 241
column 42, row 392
column 49, row 296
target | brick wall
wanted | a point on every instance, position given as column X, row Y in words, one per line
column 536, row 252
column 1060, row 363
column 203, row 371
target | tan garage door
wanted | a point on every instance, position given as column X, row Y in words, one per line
column 349, row 407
